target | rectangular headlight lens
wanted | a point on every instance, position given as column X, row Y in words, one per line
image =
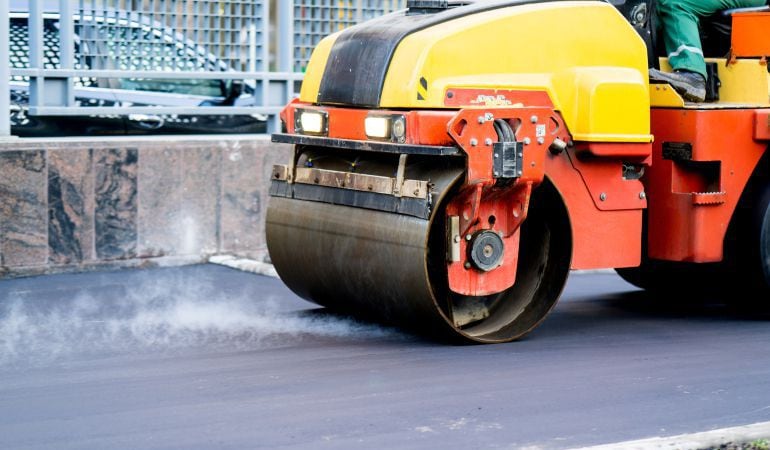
column 378, row 127
column 311, row 122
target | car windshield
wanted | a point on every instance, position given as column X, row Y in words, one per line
column 210, row 88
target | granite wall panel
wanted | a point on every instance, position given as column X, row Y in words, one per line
column 199, row 216
column 70, row 206
column 115, row 218
column 79, row 205
column 23, row 210
column 243, row 199
column 178, row 187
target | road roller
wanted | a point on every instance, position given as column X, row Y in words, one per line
column 454, row 161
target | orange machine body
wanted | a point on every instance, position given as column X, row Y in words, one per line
column 702, row 161
column 605, row 209
column 694, row 175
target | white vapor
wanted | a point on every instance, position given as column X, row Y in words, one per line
column 166, row 314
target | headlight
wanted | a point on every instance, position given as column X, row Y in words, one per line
column 377, row 127
column 308, row 121
column 388, row 128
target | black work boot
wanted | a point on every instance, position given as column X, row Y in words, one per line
column 691, row 85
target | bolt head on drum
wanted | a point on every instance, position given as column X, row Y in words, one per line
column 486, row 250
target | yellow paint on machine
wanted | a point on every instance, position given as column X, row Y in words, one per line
column 744, row 83
column 316, row 67
column 595, row 75
column 584, row 54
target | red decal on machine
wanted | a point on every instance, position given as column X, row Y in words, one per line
column 495, row 98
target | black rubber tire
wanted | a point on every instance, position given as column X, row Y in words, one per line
column 754, row 250
column 685, row 281
column 764, row 241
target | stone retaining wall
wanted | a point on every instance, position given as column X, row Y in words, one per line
column 78, row 204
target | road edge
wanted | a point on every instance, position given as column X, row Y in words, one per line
column 703, row 440
column 267, row 269
column 245, row 265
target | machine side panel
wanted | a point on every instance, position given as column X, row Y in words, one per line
column 702, row 160
column 600, row 239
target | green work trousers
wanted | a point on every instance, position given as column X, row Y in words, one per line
column 679, row 27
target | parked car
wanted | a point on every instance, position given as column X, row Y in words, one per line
column 113, row 43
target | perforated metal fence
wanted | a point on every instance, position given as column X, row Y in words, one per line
column 314, row 19
column 92, row 57
column 185, row 35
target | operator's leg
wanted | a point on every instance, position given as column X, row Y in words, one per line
column 679, row 25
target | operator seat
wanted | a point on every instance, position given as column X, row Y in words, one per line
column 716, row 31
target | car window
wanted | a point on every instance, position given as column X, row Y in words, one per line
column 212, row 88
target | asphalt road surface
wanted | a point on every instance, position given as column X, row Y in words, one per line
column 212, row 358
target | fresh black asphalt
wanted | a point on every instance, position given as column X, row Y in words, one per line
column 205, row 357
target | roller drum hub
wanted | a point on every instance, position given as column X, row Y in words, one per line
column 486, row 250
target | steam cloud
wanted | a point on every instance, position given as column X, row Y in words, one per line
column 166, row 313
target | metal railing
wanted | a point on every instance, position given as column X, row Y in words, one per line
column 118, row 57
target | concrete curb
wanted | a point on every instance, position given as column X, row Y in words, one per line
column 705, row 440
column 100, row 266
column 267, row 269
column 245, row 265
column 133, row 140
column 593, row 272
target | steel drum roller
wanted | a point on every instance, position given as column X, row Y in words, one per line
column 358, row 260
column 391, row 267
